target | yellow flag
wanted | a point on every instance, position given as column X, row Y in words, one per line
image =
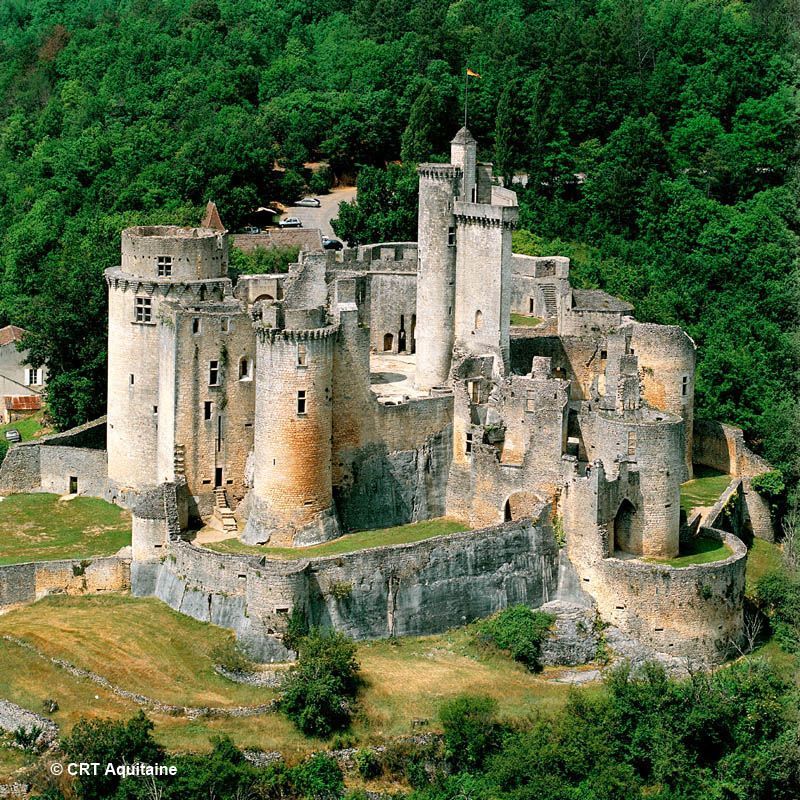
column 472, row 74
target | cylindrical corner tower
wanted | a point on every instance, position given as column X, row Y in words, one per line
column 154, row 260
column 436, row 275
column 666, row 356
column 654, row 440
column 292, row 499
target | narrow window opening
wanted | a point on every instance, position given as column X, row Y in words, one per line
column 225, row 324
column 208, row 409
column 478, row 320
column 530, row 305
column 244, row 369
column 451, row 236
column 685, row 386
column 302, row 355
column 131, row 379
column 301, row 402
column 213, row 373
column 196, row 325
column 468, row 444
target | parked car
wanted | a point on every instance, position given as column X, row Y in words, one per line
column 13, row 435
column 309, row 202
column 251, row 229
column 331, row 244
column 290, row 222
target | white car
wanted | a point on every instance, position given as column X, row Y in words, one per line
column 290, row 222
column 309, row 202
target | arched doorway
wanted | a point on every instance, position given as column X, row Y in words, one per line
column 263, row 297
column 388, row 341
column 624, row 525
column 507, row 512
column 401, row 335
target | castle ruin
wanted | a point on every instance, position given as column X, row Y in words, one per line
column 275, row 404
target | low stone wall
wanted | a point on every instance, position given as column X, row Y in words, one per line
column 693, row 611
column 25, row 583
column 410, row 589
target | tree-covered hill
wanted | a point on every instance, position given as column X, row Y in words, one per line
column 680, row 116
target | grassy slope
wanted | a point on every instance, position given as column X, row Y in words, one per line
column 704, row 490
column 402, row 534
column 29, row 428
column 40, row 527
column 168, row 656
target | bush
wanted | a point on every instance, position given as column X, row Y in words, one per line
column 470, row 730
column 297, row 628
column 319, row 778
column 319, row 692
column 321, row 181
column 262, row 261
column 368, row 764
column 519, row 630
column 230, row 657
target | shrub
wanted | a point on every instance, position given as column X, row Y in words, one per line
column 368, row 764
column 319, row 778
column 296, row 629
column 519, row 630
column 230, row 657
column 319, row 692
column 470, row 730
column 27, row 739
column 321, row 181
column 778, row 596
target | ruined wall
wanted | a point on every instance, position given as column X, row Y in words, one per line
column 693, row 611
column 392, row 306
column 410, row 589
column 59, row 464
column 723, row 447
column 24, row 583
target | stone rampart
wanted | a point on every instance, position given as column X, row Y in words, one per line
column 693, row 611
column 24, row 583
column 409, row 589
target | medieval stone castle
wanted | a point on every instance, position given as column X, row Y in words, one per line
column 386, row 385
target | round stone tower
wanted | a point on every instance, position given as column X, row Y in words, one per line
column 436, row 275
column 652, row 442
column 666, row 356
column 291, row 498
column 158, row 262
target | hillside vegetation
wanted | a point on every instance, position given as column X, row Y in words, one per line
column 679, row 118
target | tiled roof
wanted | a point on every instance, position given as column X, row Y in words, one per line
column 26, row 402
column 11, row 333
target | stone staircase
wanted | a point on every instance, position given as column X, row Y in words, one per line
column 179, row 461
column 222, row 511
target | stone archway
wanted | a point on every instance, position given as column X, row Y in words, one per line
column 520, row 505
column 624, row 527
column 388, row 341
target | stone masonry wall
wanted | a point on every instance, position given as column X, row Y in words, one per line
column 24, row 583
column 410, row 589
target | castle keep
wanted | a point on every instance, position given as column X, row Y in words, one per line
column 386, row 385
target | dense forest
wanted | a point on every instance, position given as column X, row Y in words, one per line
column 659, row 139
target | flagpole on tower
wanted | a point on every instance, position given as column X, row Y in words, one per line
column 467, row 75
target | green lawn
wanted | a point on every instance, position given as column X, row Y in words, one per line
column 525, row 321
column 762, row 558
column 28, row 428
column 701, row 550
column 40, row 527
column 705, row 489
column 402, row 534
